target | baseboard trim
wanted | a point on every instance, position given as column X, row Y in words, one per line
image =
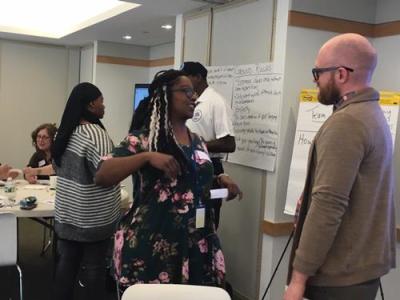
column 276, row 229
column 238, row 296
column 167, row 61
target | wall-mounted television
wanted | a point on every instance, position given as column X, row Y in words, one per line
column 141, row 92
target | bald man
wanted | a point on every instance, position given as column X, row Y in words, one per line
column 345, row 232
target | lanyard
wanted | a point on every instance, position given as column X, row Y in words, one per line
column 196, row 189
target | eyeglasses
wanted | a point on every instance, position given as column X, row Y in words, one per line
column 318, row 71
column 42, row 137
column 189, row 92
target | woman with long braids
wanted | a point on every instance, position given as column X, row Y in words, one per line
column 86, row 214
column 168, row 235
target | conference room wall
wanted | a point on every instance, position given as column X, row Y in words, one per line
column 387, row 11
column 241, row 34
column 387, row 77
column 164, row 52
column 35, row 80
column 86, row 63
column 355, row 10
column 387, row 74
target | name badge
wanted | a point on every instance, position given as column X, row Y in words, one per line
column 200, row 217
column 202, row 155
column 42, row 163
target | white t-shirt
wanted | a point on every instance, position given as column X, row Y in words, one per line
column 212, row 118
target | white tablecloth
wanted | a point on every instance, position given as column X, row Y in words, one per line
column 45, row 200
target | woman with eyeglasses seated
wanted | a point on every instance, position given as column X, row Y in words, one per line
column 168, row 235
column 39, row 166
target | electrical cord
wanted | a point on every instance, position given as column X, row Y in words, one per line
column 381, row 289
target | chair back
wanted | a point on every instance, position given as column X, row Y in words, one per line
column 174, row 292
column 8, row 234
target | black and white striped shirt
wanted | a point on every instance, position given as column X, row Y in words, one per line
column 85, row 211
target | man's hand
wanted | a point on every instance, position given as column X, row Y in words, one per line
column 297, row 286
column 295, row 291
column 233, row 189
column 166, row 163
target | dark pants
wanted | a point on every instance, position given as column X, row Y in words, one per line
column 86, row 259
column 218, row 169
column 363, row 291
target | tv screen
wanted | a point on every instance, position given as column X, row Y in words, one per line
column 141, row 92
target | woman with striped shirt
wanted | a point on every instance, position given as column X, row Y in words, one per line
column 85, row 213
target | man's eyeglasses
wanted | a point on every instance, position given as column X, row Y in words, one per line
column 318, row 71
column 189, row 92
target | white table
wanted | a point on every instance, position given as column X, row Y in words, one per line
column 45, row 200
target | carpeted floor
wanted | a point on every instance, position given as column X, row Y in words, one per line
column 37, row 270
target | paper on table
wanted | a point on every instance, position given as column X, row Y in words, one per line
column 218, row 193
column 34, row 187
column 43, row 181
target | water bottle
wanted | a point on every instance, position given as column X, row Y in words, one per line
column 9, row 190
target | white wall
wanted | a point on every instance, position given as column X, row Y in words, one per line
column 157, row 52
column 354, row 10
column 117, row 83
column 122, row 50
column 86, row 64
column 387, row 11
column 34, row 84
column 162, row 51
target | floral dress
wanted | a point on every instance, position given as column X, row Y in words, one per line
column 157, row 240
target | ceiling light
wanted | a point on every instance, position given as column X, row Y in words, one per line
column 56, row 19
column 127, row 37
column 167, row 26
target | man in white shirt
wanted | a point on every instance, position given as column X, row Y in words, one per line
column 211, row 120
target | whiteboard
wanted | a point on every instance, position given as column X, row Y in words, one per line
column 255, row 93
column 311, row 116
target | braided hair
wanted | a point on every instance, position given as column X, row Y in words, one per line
column 161, row 136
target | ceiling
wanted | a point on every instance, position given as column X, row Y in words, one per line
column 142, row 23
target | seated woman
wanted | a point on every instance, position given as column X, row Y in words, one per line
column 39, row 166
column 168, row 235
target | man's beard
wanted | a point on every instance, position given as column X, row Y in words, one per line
column 329, row 94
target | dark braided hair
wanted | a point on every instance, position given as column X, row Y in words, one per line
column 161, row 136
